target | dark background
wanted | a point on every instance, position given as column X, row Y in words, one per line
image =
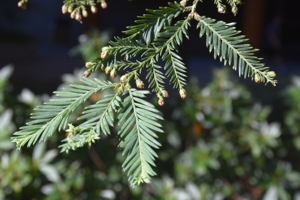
column 37, row 40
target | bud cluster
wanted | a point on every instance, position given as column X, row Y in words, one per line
column 78, row 12
column 161, row 95
column 111, row 70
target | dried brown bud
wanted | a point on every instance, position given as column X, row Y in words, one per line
column 94, row 9
column 182, row 93
column 161, row 102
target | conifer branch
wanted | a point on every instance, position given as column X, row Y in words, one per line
column 138, row 124
column 54, row 114
column 228, row 44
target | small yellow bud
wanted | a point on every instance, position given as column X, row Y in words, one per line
column 161, row 102
column 64, row 9
column 87, row 73
column 196, row 16
column 93, row 9
column 70, row 9
column 104, row 52
column 107, row 70
column 72, row 15
column 271, row 74
column 183, row 3
column 113, row 73
column 257, row 78
column 103, row 4
column 84, row 13
column 165, row 94
column 222, row 9
column 182, row 93
column 78, row 16
column 128, row 86
column 139, row 83
column 234, row 10
column 88, row 64
column 237, row 2
column 123, row 78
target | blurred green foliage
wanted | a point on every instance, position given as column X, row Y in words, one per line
column 218, row 144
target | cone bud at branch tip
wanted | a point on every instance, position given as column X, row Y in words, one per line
column 161, row 102
column 222, row 9
column 84, row 13
column 88, row 64
column 237, row 2
column 78, row 16
column 139, row 83
column 73, row 14
column 271, row 74
column 113, row 73
column 196, row 16
column 94, row 9
column 64, row 9
column 128, row 86
column 103, row 4
column 234, row 10
column 20, row 4
column 104, row 52
column 191, row 15
column 182, row 93
column 87, row 73
column 70, row 9
column 123, row 78
column 257, row 78
column 107, row 70
column 165, row 94
column 183, row 3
